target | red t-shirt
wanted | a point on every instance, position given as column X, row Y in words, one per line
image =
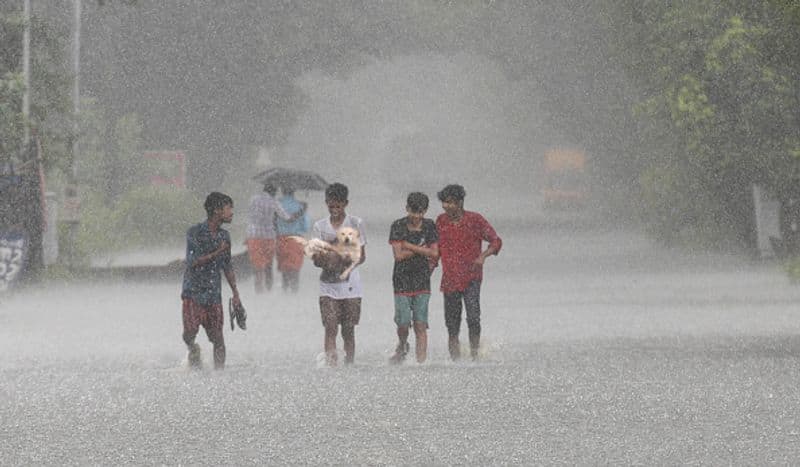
column 460, row 243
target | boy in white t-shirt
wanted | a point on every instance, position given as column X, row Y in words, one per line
column 339, row 299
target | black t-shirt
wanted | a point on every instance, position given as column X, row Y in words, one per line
column 413, row 274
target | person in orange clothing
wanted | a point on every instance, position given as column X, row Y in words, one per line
column 290, row 253
column 261, row 235
column 461, row 237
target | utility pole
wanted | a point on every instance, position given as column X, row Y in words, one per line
column 76, row 88
column 26, row 71
column 70, row 212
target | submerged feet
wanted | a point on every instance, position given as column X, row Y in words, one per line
column 195, row 362
column 399, row 353
column 473, row 352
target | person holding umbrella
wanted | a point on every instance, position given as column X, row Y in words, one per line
column 261, row 235
column 295, row 178
column 290, row 253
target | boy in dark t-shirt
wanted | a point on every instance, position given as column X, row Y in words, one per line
column 415, row 247
column 208, row 253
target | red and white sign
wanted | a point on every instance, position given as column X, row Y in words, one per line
column 167, row 168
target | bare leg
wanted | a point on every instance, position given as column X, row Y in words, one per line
column 194, row 356
column 291, row 281
column 268, row 277
column 421, row 332
column 294, row 280
column 190, row 329
column 217, row 339
column 288, row 283
column 285, row 281
column 402, row 345
column 330, row 345
column 349, row 337
column 260, row 281
column 219, row 356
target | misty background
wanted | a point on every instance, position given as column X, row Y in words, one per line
column 680, row 109
column 645, row 327
column 386, row 97
column 377, row 96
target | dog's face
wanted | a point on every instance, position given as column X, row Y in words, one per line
column 347, row 236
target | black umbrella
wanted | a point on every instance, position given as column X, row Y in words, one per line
column 295, row 179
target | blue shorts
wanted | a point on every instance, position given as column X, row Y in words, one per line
column 409, row 308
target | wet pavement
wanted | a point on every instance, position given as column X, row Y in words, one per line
column 599, row 348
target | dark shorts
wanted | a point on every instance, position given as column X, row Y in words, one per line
column 346, row 311
column 471, row 298
column 211, row 317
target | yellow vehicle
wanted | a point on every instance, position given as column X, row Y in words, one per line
column 565, row 183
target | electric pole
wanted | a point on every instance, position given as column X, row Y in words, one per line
column 26, row 71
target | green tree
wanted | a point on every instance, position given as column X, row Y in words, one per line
column 718, row 108
column 50, row 110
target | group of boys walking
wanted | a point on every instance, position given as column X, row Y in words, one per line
column 418, row 244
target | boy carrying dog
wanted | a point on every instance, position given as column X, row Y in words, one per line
column 414, row 242
column 339, row 298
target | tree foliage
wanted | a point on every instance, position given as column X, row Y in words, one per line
column 50, row 110
column 720, row 95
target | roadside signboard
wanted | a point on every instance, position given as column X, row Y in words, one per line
column 167, row 168
column 13, row 254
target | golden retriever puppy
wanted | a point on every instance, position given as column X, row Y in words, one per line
column 347, row 246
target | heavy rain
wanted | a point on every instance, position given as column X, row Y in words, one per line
column 639, row 161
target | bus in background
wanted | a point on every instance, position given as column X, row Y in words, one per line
column 565, row 180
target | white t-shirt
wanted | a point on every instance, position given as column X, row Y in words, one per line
column 351, row 288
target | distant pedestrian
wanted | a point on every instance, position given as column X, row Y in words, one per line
column 261, row 234
column 461, row 237
column 290, row 252
column 208, row 251
column 339, row 299
column 414, row 242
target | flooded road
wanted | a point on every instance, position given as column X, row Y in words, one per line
column 599, row 347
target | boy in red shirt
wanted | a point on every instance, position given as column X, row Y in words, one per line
column 461, row 237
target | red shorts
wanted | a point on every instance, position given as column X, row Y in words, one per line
column 211, row 317
column 290, row 255
column 260, row 251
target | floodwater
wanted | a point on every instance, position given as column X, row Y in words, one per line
column 598, row 348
